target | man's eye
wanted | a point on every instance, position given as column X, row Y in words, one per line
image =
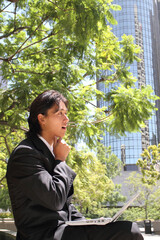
column 60, row 113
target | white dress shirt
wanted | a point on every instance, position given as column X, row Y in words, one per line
column 47, row 144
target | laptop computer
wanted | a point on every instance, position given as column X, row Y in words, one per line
column 102, row 220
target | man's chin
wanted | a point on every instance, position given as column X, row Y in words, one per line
column 61, row 135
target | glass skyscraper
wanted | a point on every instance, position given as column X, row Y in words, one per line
column 141, row 19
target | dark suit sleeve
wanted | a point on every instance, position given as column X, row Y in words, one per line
column 75, row 214
column 30, row 177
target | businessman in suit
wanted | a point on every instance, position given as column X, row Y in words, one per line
column 40, row 182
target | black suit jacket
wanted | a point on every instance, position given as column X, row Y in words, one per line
column 40, row 189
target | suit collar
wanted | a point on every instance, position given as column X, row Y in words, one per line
column 41, row 146
column 47, row 144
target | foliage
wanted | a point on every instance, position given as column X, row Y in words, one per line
column 5, row 203
column 7, row 142
column 134, row 214
column 155, row 205
column 6, row 215
column 112, row 162
column 113, row 168
column 150, row 164
column 123, row 97
column 68, row 45
column 92, row 186
column 130, row 214
column 4, row 198
column 62, row 45
column 148, row 194
column 115, row 196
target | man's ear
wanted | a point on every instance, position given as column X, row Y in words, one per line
column 41, row 119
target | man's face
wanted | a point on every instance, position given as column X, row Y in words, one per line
column 54, row 123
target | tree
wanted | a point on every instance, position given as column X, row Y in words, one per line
column 147, row 198
column 93, row 187
column 3, row 199
column 7, row 142
column 113, row 168
column 150, row 164
column 63, row 45
column 112, row 162
column 155, row 205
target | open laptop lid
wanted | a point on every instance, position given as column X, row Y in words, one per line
column 102, row 220
column 126, row 205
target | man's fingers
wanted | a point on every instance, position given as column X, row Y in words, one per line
column 61, row 149
column 55, row 141
column 59, row 140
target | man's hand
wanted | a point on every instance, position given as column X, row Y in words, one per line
column 61, row 149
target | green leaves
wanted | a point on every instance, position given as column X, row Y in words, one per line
column 115, row 7
column 130, row 107
column 62, row 45
column 148, row 198
column 69, row 46
column 110, row 18
column 129, row 49
column 150, row 164
column 92, row 186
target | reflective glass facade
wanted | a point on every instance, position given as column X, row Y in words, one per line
column 139, row 18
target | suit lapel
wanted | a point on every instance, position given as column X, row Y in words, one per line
column 49, row 159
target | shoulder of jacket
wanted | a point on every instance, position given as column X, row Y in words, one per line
column 26, row 147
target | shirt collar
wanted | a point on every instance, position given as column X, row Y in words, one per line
column 47, row 144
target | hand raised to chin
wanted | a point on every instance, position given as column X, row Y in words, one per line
column 61, row 149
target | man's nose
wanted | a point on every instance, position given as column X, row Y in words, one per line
column 66, row 118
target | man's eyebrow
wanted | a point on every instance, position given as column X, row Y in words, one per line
column 61, row 109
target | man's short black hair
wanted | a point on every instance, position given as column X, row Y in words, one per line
column 42, row 103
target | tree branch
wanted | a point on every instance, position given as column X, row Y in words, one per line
column 1, row 10
column 65, row 10
column 101, row 119
column 13, row 32
column 2, row 179
column 9, row 108
column 49, row 49
column 73, row 124
column 90, row 103
column 20, row 48
column 96, row 82
column 13, row 1
column 5, row 123
column 15, row 15
column 4, row 59
column 8, row 12
column 7, row 146
column 105, row 79
column 6, row 143
column 2, row 160
column 31, row 72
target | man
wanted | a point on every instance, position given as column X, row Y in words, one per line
column 41, row 184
